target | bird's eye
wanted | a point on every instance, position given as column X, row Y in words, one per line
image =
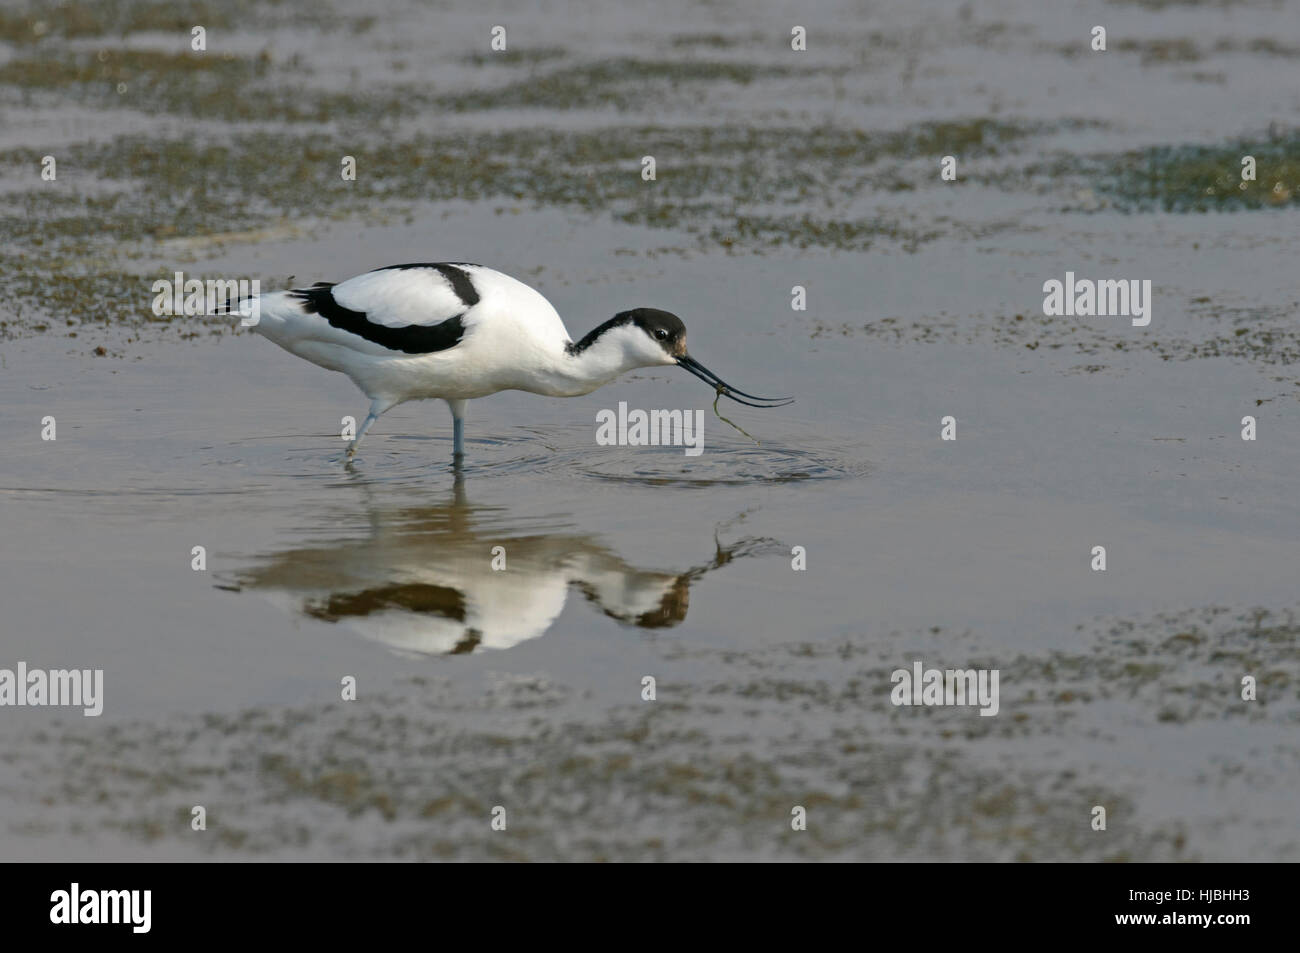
column 661, row 334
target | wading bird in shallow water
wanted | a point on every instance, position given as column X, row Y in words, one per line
column 455, row 331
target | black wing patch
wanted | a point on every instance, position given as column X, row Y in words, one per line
column 409, row 339
column 457, row 276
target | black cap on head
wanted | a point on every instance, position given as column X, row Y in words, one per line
column 663, row 326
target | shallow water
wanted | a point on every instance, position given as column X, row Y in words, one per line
column 522, row 686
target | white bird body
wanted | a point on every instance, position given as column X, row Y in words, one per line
column 510, row 351
column 457, row 331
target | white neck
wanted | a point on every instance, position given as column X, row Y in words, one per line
column 617, row 349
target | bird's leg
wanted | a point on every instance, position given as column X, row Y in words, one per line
column 356, row 441
column 377, row 407
column 457, row 428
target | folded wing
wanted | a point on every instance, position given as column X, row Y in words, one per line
column 410, row 309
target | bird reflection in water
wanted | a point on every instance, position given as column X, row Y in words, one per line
column 423, row 582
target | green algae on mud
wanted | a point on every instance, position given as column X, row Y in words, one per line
column 75, row 19
column 214, row 86
column 514, row 56
column 1262, row 335
column 722, row 187
column 72, row 303
column 1180, row 179
column 1197, row 178
column 713, row 770
column 242, row 88
column 712, row 183
column 621, row 84
column 702, row 172
column 1184, row 50
column 36, row 24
